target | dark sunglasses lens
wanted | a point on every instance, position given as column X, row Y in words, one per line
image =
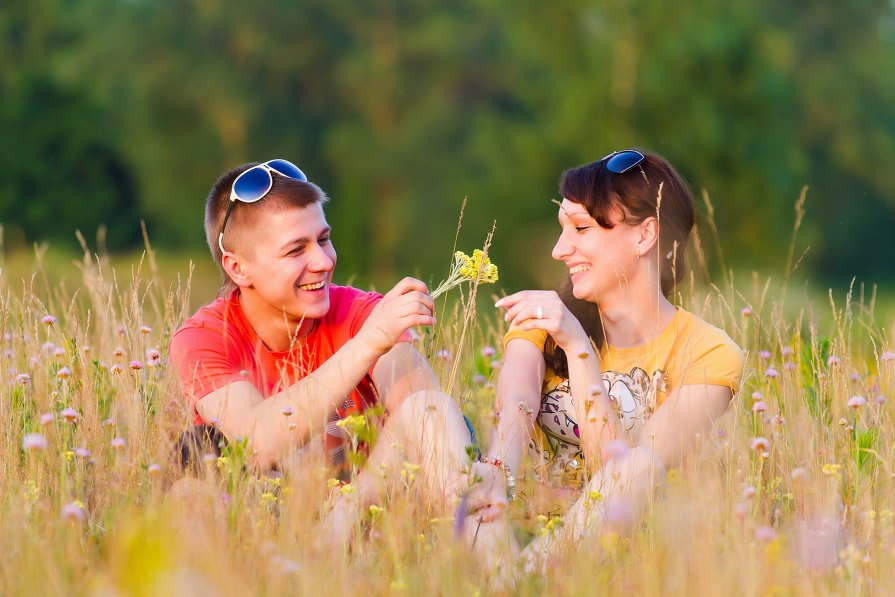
column 252, row 184
column 623, row 161
column 288, row 169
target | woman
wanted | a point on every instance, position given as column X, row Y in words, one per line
column 607, row 382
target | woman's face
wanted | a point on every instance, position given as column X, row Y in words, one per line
column 600, row 260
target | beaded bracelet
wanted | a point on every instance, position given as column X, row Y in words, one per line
column 511, row 480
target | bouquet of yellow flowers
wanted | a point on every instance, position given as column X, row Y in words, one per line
column 477, row 269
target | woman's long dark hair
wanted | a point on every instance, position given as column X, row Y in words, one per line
column 636, row 194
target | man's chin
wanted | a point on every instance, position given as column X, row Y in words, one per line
column 318, row 310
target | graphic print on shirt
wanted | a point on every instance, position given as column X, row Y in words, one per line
column 634, row 395
column 558, row 456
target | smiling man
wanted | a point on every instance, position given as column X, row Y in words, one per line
column 285, row 354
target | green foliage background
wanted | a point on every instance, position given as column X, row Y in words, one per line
column 116, row 110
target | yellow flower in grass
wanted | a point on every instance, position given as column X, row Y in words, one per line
column 832, row 470
column 550, row 524
column 353, row 424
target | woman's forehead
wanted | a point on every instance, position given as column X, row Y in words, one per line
column 570, row 208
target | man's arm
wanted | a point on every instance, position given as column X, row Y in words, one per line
column 241, row 411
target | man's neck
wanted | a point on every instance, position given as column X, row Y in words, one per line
column 275, row 328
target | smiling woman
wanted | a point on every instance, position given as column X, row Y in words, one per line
column 607, row 382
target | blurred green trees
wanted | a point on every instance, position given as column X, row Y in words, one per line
column 113, row 110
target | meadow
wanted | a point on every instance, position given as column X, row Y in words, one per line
column 791, row 494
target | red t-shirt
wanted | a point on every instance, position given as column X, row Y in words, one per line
column 218, row 346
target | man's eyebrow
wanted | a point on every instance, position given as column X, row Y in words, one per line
column 304, row 239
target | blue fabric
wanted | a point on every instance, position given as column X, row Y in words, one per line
column 475, row 442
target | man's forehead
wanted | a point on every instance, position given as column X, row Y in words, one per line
column 279, row 227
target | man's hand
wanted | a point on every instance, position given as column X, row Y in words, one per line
column 406, row 305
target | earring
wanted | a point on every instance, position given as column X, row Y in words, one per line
column 637, row 255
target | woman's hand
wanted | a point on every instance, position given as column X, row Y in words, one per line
column 487, row 497
column 406, row 305
column 544, row 310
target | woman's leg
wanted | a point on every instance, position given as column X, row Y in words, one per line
column 614, row 498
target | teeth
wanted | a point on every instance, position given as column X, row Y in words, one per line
column 316, row 286
column 579, row 268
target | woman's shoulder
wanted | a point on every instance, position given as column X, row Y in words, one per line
column 700, row 331
column 711, row 352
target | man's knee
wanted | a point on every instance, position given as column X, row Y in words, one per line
column 428, row 418
column 424, row 409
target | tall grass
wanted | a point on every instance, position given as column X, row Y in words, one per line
column 809, row 511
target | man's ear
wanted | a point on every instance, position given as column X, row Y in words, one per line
column 648, row 235
column 234, row 265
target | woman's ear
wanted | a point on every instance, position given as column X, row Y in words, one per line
column 235, row 268
column 648, row 236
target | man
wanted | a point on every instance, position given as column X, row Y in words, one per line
column 286, row 354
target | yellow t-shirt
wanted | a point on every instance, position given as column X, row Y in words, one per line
column 638, row 380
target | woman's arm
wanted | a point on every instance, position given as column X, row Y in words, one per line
column 517, row 403
column 598, row 423
column 688, row 413
column 518, row 400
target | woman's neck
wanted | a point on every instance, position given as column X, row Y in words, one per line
column 629, row 323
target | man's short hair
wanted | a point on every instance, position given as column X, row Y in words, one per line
column 286, row 193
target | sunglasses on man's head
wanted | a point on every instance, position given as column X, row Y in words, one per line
column 619, row 162
column 256, row 182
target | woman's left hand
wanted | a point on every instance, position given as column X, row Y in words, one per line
column 544, row 310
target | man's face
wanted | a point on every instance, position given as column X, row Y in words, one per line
column 292, row 265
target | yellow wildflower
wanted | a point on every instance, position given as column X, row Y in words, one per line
column 832, row 470
column 353, row 424
column 550, row 524
column 773, row 551
column 610, row 542
column 476, row 269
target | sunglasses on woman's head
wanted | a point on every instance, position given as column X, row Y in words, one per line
column 619, row 162
column 256, row 182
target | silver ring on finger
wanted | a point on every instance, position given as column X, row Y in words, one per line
column 539, row 313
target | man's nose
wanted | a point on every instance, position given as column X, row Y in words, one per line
column 321, row 260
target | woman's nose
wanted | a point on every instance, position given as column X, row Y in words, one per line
column 562, row 248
